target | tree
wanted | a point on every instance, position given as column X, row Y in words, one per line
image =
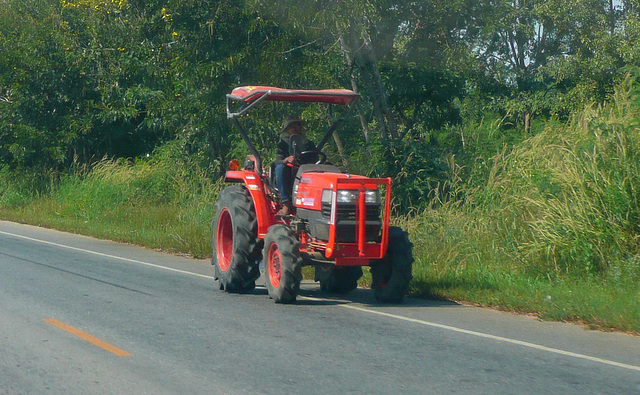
column 348, row 25
column 88, row 78
column 554, row 55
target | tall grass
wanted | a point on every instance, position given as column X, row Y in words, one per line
column 160, row 202
column 19, row 187
column 571, row 194
column 551, row 227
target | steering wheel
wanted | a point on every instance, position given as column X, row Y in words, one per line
column 322, row 157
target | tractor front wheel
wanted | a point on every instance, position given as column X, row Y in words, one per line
column 392, row 274
column 283, row 265
column 236, row 248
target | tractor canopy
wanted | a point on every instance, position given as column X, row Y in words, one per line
column 249, row 94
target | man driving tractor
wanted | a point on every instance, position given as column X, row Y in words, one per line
column 285, row 160
column 340, row 222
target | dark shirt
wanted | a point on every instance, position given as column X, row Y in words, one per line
column 283, row 149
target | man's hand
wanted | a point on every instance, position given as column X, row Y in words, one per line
column 288, row 159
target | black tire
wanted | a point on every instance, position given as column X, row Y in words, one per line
column 340, row 280
column 283, row 265
column 236, row 248
column 392, row 274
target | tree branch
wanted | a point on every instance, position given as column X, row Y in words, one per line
column 300, row 46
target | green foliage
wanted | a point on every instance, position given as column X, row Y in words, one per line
column 85, row 79
column 561, row 203
column 19, row 188
column 423, row 98
column 580, row 190
column 414, row 166
column 548, row 226
column 164, row 201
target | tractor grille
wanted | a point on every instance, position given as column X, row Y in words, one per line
column 348, row 212
column 346, row 222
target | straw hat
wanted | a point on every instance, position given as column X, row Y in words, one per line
column 290, row 120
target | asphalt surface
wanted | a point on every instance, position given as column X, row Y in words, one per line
column 80, row 315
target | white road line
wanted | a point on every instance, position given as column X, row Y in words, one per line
column 364, row 310
column 484, row 335
column 106, row 255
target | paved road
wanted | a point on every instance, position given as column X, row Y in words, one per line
column 79, row 315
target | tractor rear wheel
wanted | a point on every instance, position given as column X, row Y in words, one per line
column 236, row 248
column 392, row 274
column 340, row 280
column 283, row 265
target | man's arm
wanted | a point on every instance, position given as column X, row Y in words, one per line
column 282, row 151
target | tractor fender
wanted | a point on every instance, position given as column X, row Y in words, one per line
column 265, row 214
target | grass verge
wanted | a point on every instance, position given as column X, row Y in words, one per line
column 158, row 203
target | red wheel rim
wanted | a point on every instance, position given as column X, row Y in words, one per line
column 382, row 284
column 275, row 266
column 224, row 241
column 384, row 281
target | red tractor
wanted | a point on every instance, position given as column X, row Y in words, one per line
column 340, row 221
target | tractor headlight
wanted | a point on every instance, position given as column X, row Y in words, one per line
column 347, row 196
column 372, row 197
column 327, row 196
column 350, row 196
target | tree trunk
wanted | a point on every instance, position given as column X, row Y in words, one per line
column 365, row 58
column 612, row 18
column 366, row 76
column 380, row 91
column 343, row 154
column 354, row 87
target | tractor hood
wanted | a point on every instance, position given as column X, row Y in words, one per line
column 344, row 208
column 309, row 187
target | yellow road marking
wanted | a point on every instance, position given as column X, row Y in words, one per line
column 91, row 339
